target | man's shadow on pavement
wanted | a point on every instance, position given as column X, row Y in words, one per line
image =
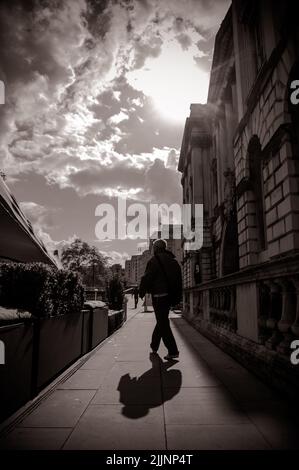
column 146, row 391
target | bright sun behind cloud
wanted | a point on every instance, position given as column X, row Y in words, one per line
column 173, row 80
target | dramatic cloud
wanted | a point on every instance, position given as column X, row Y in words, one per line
column 40, row 216
column 42, row 221
column 96, row 97
column 116, row 257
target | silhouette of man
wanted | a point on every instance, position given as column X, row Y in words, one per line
column 136, row 296
column 136, row 391
column 161, row 274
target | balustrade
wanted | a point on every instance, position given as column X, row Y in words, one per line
column 222, row 306
column 279, row 313
column 277, row 309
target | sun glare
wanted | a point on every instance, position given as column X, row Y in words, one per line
column 173, row 81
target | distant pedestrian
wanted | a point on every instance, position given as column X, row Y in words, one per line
column 136, row 294
column 163, row 279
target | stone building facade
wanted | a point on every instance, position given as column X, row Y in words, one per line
column 128, row 272
column 135, row 267
column 143, row 260
column 132, row 270
column 240, row 159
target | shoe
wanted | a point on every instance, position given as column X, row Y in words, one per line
column 171, row 356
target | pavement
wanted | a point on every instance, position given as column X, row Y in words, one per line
column 122, row 397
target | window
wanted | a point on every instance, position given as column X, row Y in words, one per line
column 257, row 36
column 250, row 16
column 255, row 170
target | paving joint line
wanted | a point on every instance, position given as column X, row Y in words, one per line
column 12, row 421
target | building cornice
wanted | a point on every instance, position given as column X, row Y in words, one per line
column 197, row 132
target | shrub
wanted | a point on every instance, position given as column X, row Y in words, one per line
column 39, row 289
column 115, row 294
column 69, row 293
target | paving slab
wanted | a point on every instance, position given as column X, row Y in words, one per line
column 276, row 422
column 112, row 427
column 62, row 408
column 85, row 379
column 36, row 439
column 219, row 437
column 203, row 413
column 123, row 397
column 130, row 393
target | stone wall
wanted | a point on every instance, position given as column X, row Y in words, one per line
column 270, row 122
column 253, row 202
column 254, row 316
column 276, row 371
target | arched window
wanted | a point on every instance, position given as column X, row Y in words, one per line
column 255, row 175
column 230, row 250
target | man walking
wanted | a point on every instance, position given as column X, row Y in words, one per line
column 136, row 292
column 163, row 279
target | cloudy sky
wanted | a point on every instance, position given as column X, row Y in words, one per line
column 97, row 93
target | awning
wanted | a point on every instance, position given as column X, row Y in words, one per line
column 18, row 242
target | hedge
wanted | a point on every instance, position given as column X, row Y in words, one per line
column 40, row 289
column 115, row 294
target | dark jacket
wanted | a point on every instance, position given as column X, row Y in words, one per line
column 154, row 280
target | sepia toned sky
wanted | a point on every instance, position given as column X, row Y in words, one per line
column 97, row 93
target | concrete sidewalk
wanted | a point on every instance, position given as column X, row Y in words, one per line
column 121, row 398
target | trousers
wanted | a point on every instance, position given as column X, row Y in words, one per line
column 162, row 329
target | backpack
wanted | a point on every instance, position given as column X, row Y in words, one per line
column 173, row 280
